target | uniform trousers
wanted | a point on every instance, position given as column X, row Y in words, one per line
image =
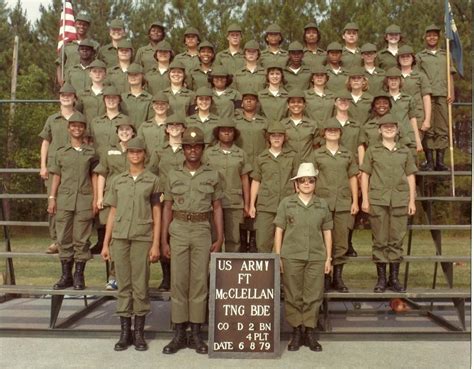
column 73, row 230
column 265, row 231
column 343, row 221
column 437, row 136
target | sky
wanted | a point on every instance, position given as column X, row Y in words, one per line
column 31, row 7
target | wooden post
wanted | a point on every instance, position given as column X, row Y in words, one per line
column 450, row 116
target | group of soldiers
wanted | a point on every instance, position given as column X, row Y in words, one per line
column 224, row 135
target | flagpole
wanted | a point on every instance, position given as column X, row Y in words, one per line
column 450, row 116
column 64, row 41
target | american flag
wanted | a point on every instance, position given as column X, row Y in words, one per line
column 67, row 30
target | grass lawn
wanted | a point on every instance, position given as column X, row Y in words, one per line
column 45, row 271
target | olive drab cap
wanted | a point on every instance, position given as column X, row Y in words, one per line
column 204, row 91
column 319, row 69
column 176, row 64
column 67, row 89
column 84, row 17
column 432, row 27
column 251, row 45
column 334, row 46
column 273, row 28
column 356, row 71
column 97, row 64
column 310, row 25
column 156, row 24
column 393, row 72
column 176, row 118
column 234, row 27
column 343, row 94
column 192, row 31
column 124, row 121
column 204, row 44
column 88, row 43
column 225, row 123
column 306, row 170
column 351, row 26
column 136, row 143
column 124, row 44
column 110, row 91
column 332, row 123
column 387, row 119
column 249, row 91
column 78, row 118
column 393, row 28
column 193, row 136
column 135, row 68
column 368, row 48
column 219, row 71
column 296, row 92
column 274, row 65
column 381, row 93
column 160, row 96
column 295, row 46
column 117, row 24
column 276, row 127
column 164, row 46
column 405, row 49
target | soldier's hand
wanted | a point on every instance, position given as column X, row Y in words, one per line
column 425, row 126
column 105, row 252
column 216, row 246
column 154, row 254
column 252, row 212
column 354, row 208
column 419, row 146
column 165, row 250
column 281, row 268
column 327, row 266
column 44, row 173
column 411, row 208
column 365, row 206
column 100, row 203
column 51, row 206
column 95, row 209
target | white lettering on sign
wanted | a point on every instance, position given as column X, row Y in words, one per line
column 255, row 265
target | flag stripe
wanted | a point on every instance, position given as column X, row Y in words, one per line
column 67, row 30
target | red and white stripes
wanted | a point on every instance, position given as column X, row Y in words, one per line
column 67, row 30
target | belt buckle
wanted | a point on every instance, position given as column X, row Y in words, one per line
column 188, row 217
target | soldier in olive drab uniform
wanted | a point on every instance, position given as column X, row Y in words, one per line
column 350, row 52
column 78, row 75
column 112, row 163
column 432, row 61
column 72, row 200
column 91, row 101
column 152, row 132
column 271, row 174
column 337, row 184
column 303, row 239
column 133, row 240
column 191, row 193
column 273, row 99
column 387, row 57
column 225, row 99
column 313, row 55
column 190, row 57
column 137, row 103
column 319, row 100
column 374, row 74
column 301, row 131
column 232, row 58
column 251, row 75
column 203, row 118
column 199, row 77
column 297, row 75
column 389, row 171
column 117, row 75
column 234, row 167
column 336, row 72
column 180, row 97
column 361, row 100
column 108, row 52
column 157, row 78
column 146, row 54
column 273, row 55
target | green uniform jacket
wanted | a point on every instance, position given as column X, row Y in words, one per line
column 224, row 105
column 193, row 193
column 245, row 79
column 351, row 136
column 207, row 126
column 152, row 134
column 333, row 177
column 319, row 108
column 104, row 132
column 180, row 102
column 138, row 108
column 388, row 171
column 370, row 135
column 252, row 135
column 404, row 108
column 90, row 104
column 274, row 175
column 273, row 107
column 56, row 133
column 232, row 63
column 163, row 159
column 303, row 226
column 118, row 78
column 75, row 192
column 386, row 60
column 108, row 54
column 301, row 137
column 133, row 200
column 190, row 61
column 417, row 85
column 350, row 59
column 71, row 54
column 157, row 81
column 336, row 81
column 112, row 163
column 434, row 66
column 198, row 78
column 375, row 80
column 230, row 165
column 145, row 57
column 268, row 58
column 313, row 59
column 78, row 77
column 299, row 80
column 360, row 111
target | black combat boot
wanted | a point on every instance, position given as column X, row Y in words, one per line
column 253, row 241
column 66, row 278
column 97, row 248
column 337, row 282
column 79, row 283
column 195, row 341
column 327, row 282
column 440, row 167
column 139, row 333
column 179, row 340
column 351, row 252
column 125, row 339
column 381, row 278
column 296, row 340
column 166, row 281
column 310, row 340
column 428, row 165
column 244, row 245
column 393, row 282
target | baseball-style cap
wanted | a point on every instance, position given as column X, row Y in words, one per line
column 193, row 136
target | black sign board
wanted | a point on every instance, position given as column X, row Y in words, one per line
column 244, row 306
